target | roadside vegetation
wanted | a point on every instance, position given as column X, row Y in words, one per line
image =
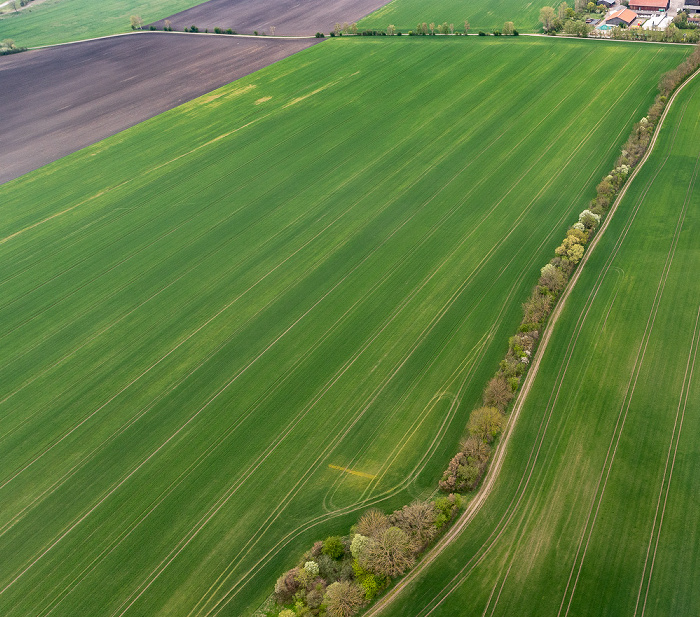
column 7, row 47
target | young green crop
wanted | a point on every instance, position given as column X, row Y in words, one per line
column 60, row 21
column 596, row 506
column 486, row 15
column 206, row 320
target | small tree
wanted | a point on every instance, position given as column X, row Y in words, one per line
column 272, row 30
column 353, row 28
column 466, row 27
column 167, row 25
column 390, row 29
column 418, row 521
column 372, row 523
column 508, row 28
column 561, row 11
column 343, row 599
column 390, row 554
column 498, row 393
column 337, row 29
column 432, row 27
column 547, row 17
column 486, row 423
column 136, row 22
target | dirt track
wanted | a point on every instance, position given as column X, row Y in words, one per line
column 57, row 100
column 289, row 17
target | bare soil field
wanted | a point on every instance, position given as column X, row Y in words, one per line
column 57, row 100
column 289, row 17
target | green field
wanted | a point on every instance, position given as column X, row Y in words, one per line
column 317, row 265
column 596, row 509
column 482, row 14
column 60, row 21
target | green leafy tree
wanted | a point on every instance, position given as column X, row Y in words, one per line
column 333, row 547
column 547, row 17
column 486, row 423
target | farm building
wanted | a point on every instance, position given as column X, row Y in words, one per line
column 649, row 6
column 621, row 16
column 692, row 7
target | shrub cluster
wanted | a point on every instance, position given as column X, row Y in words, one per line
column 340, row 575
column 7, row 47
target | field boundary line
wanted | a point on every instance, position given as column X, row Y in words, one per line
column 141, row 32
column 477, row 503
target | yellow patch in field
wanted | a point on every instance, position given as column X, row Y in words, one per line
column 264, row 99
column 306, row 96
column 362, row 474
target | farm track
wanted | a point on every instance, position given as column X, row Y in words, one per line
column 479, row 499
column 442, row 333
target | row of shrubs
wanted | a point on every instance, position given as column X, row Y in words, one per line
column 7, row 47
column 340, row 575
column 468, row 466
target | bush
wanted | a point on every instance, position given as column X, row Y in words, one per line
column 482, row 33
column 329, row 569
column 286, row 586
column 333, row 547
column 319, row 35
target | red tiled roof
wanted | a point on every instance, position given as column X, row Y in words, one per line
column 624, row 14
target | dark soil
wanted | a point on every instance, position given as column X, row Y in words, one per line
column 289, row 17
column 57, row 100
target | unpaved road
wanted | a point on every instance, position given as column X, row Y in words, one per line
column 289, row 17
column 477, row 503
column 57, row 100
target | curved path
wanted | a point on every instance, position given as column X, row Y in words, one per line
column 476, row 504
